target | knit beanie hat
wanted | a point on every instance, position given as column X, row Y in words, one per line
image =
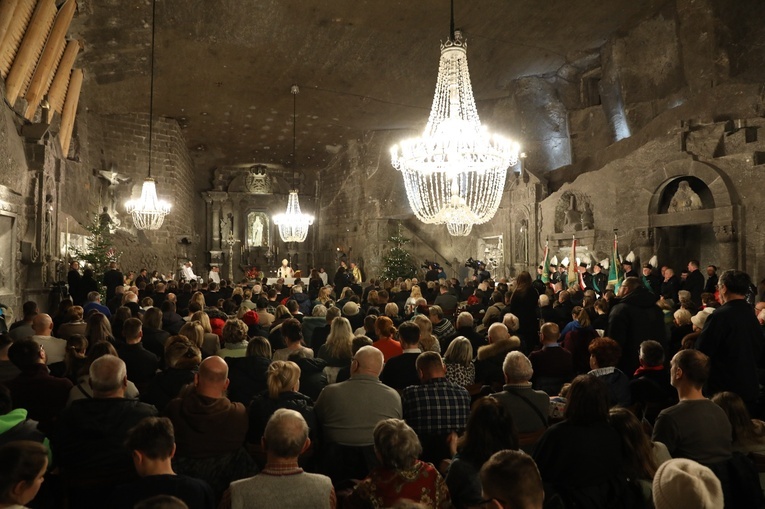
column 681, row 483
column 251, row 318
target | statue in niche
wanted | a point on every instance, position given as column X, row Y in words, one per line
column 256, row 230
column 685, row 199
column 226, row 225
column 588, row 221
column 573, row 218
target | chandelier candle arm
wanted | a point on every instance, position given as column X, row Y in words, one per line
column 454, row 173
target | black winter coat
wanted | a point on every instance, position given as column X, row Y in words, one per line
column 634, row 319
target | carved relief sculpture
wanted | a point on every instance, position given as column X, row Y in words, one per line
column 588, row 220
column 573, row 218
column 685, row 199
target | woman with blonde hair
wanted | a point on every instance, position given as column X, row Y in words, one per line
column 195, row 333
column 74, row 324
column 199, row 298
column 211, row 343
column 411, row 303
column 428, row 342
column 182, row 358
column 283, row 379
column 324, row 298
column 338, row 349
column 458, row 359
column 235, row 339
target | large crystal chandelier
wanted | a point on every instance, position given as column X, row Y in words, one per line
column 149, row 211
column 293, row 224
column 455, row 172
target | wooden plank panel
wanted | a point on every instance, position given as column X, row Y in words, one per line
column 57, row 91
column 9, row 45
column 7, row 8
column 70, row 110
column 30, row 49
column 51, row 55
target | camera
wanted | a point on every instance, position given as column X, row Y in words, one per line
column 429, row 264
column 473, row 264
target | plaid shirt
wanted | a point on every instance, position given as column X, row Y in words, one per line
column 437, row 406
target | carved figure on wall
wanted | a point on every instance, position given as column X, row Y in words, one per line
column 685, row 199
column 588, row 220
column 225, row 225
column 573, row 218
column 256, row 181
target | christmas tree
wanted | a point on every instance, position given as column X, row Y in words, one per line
column 398, row 262
column 100, row 251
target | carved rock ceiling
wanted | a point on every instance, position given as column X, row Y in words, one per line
column 224, row 68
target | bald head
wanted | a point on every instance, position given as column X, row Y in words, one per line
column 369, row 361
column 550, row 332
column 212, row 378
column 497, row 332
column 42, row 324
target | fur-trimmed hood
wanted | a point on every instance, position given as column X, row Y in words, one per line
column 501, row 347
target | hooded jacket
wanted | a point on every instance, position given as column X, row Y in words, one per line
column 488, row 365
column 16, row 426
column 166, row 386
column 248, row 377
column 634, row 319
column 206, row 427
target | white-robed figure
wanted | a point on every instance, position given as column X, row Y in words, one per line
column 215, row 275
column 188, row 272
column 285, row 270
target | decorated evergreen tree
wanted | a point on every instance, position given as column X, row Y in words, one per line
column 398, row 262
column 100, row 251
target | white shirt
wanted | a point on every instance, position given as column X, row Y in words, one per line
column 215, row 276
column 286, row 272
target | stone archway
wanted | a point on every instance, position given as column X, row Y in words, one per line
column 707, row 231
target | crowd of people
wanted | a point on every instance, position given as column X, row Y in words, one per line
column 515, row 393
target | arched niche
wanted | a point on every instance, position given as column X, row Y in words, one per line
column 705, row 231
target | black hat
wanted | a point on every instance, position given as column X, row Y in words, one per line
column 627, row 262
column 647, row 266
column 600, row 265
column 583, row 264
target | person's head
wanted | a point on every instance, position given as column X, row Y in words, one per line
column 733, row 284
column 292, row 331
column 511, row 322
column 212, row 378
column 367, row 361
column 711, row 270
column 639, row 461
column 152, row 318
column 459, row 351
column 464, row 319
column 204, row 320
column 490, row 428
column 151, row 441
column 384, row 327
column 193, row 331
column 22, row 466
column 319, row 310
column 517, row 368
column 497, row 332
column 682, row 317
column 259, row 346
column 180, row 353
column 282, row 376
column 75, row 314
column 332, row 313
column 26, row 353
column 132, row 330
column 396, row 444
column 744, row 431
column 629, row 285
column 76, row 348
column 604, row 353
column 693, row 265
column 588, row 400
column 682, row 482
column 234, row 331
column 286, row 435
column 651, row 354
column 512, row 481
column 430, row 365
column 42, row 324
column 424, row 324
column 108, row 377
column 549, row 333
column 689, row 367
column 409, row 335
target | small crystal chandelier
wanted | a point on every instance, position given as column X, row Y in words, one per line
column 293, row 224
column 455, row 172
column 149, row 211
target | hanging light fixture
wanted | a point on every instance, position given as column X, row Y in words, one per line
column 293, row 224
column 455, row 172
column 149, row 211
